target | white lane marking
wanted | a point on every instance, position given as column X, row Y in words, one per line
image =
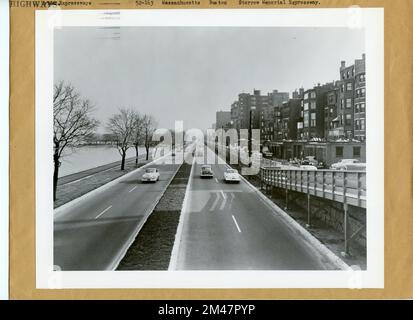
column 215, row 202
column 103, row 212
column 216, row 180
column 223, row 202
column 236, row 223
column 132, row 189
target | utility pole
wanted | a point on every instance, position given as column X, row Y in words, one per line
column 250, row 138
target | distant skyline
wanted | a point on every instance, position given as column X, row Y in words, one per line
column 189, row 73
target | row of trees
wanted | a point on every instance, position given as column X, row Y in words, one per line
column 74, row 123
column 131, row 129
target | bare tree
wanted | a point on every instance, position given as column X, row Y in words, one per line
column 121, row 125
column 148, row 128
column 72, row 123
column 138, row 134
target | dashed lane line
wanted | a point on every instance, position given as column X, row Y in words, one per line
column 100, row 214
column 236, row 223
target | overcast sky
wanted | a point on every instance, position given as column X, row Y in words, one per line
column 188, row 73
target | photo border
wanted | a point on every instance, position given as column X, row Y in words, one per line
column 371, row 20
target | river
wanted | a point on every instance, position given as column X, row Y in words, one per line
column 87, row 157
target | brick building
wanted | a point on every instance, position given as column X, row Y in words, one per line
column 351, row 102
column 312, row 112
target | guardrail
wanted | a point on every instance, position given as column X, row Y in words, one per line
column 348, row 187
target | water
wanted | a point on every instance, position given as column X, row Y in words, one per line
column 87, row 157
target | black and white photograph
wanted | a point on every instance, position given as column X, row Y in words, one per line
column 188, row 149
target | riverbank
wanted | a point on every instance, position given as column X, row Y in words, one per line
column 74, row 189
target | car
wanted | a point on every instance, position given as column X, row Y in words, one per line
column 206, row 171
column 231, row 175
column 150, row 175
column 309, row 160
column 348, row 164
column 307, row 167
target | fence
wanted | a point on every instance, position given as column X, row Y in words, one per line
column 348, row 187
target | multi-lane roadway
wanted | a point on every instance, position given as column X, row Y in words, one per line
column 230, row 227
column 94, row 233
column 222, row 226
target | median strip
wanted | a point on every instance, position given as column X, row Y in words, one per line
column 152, row 248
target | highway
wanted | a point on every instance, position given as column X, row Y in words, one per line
column 94, row 233
column 229, row 227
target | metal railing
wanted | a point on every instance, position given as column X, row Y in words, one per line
column 348, row 187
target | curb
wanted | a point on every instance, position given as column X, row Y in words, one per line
column 177, row 242
column 58, row 211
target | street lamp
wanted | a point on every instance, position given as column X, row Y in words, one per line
column 250, row 138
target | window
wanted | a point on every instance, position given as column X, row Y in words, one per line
column 306, row 95
column 349, row 86
column 312, row 105
column 362, row 124
column 342, row 103
column 348, row 103
column 357, row 124
column 348, row 119
column 362, row 78
column 305, row 119
column 312, row 95
column 362, row 107
column 313, row 119
column 339, row 151
column 356, row 108
column 363, row 92
column 356, row 151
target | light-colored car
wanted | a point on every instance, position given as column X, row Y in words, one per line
column 307, row 167
column 206, row 171
column 348, row 164
column 150, row 175
column 232, row 175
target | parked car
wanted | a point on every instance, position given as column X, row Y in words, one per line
column 308, row 167
column 310, row 160
column 349, row 164
column 232, row 175
column 150, row 175
column 206, row 171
